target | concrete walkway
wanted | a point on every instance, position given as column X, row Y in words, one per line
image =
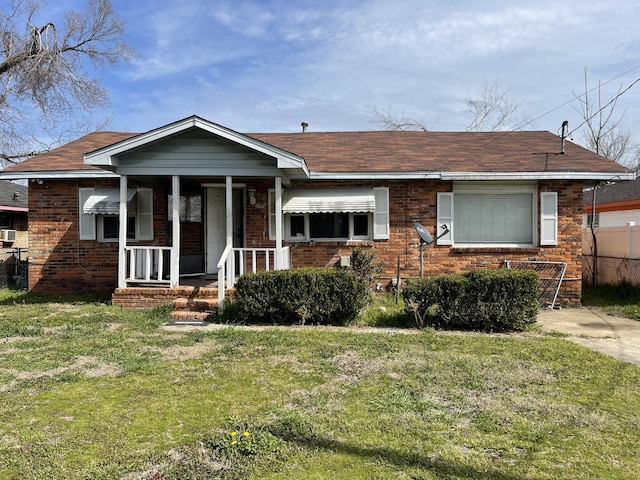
column 614, row 336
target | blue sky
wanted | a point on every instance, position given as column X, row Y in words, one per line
column 267, row 65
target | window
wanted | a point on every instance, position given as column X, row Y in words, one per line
column 5, row 220
column 493, row 214
column 493, row 218
column 593, row 220
column 360, row 226
column 329, row 225
column 297, row 226
column 190, row 208
column 109, row 227
column 332, row 214
column 99, row 219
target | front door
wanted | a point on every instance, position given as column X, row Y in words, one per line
column 216, row 232
column 216, row 225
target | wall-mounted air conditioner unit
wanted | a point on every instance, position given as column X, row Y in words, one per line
column 7, row 235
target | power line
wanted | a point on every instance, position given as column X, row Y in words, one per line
column 528, row 122
column 614, row 99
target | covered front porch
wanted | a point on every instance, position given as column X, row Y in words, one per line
column 220, row 254
column 226, row 170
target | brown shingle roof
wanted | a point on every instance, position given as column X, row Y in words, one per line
column 399, row 151
column 71, row 155
column 384, row 151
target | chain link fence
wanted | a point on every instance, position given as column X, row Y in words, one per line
column 13, row 267
column 550, row 275
column 611, row 270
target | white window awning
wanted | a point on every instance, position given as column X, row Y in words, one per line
column 105, row 201
column 329, row 200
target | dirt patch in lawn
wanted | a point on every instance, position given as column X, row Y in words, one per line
column 90, row 366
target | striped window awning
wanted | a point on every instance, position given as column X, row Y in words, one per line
column 105, row 201
column 325, row 200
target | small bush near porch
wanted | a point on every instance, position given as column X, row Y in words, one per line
column 89, row 390
column 483, row 299
column 320, row 296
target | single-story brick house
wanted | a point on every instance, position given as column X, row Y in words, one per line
column 102, row 213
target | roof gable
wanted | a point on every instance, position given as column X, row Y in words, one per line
column 112, row 156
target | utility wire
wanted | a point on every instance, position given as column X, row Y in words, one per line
column 614, row 99
column 528, row 122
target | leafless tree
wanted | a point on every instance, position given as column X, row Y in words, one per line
column 602, row 125
column 47, row 73
column 493, row 110
column 390, row 120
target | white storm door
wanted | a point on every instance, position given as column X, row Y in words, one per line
column 216, row 233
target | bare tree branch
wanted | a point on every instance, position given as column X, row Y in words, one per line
column 602, row 133
column 389, row 120
column 493, row 110
column 44, row 79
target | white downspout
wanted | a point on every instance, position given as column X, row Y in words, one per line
column 278, row 259
column 122, row 234
column 174, row 277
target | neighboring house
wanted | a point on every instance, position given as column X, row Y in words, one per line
column 616, row 204
column 103, row 214
column 13, row 233
column 615, row 237
column 13, row 215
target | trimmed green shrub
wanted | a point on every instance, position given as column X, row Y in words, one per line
column 484, row 300
column 323, row 296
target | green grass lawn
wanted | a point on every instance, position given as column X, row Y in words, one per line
column 621, row 299
column 91, row 391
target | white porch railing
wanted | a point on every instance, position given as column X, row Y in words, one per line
column 238, row 261
column 151, row 264
column 147, row 265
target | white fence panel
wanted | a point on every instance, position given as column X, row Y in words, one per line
column 618, row 253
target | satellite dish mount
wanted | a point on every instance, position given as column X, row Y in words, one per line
column 427, row 239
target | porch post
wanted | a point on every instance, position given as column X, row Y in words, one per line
column 122, row 234
column 229, row 209
column 278, row 259
column 174, row 277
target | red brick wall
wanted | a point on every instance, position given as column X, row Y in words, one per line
column 59, row 262
column 257, row 215
column 416, row 201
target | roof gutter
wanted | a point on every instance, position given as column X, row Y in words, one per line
column 480, row 176
column 58, row 175
column 314, row 175
column 596, row 176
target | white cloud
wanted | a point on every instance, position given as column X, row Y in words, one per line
column 269, row 64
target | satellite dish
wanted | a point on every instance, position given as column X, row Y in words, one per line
column 425, row 236
column 427, row 239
